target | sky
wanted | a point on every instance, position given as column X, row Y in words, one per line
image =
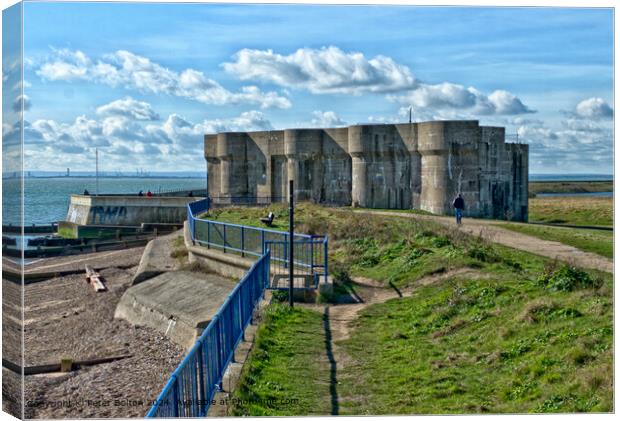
column 143, row 83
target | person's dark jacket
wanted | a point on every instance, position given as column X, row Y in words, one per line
column 459, row 203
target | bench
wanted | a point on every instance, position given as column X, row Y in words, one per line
column 268, row 220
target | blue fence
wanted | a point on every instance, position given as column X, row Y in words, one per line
column 193, row 384
column 310, row 251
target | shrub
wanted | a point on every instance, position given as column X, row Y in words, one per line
column 440, row 241
column 542, row 309
column 280, row 296
column 179, row 253
column 565, row 278
column 339, row 273
column 412, row 258
column 482, row 251
column 314, row 225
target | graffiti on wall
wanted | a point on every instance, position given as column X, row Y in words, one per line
column 107, row 214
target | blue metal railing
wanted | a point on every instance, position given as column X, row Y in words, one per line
column 310, row 255
column 192, row 386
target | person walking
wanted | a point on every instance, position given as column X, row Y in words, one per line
column 459, row 206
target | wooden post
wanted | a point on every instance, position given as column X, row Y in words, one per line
column 66, row 364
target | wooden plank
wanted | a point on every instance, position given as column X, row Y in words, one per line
column 95, row 279
column 54, row 368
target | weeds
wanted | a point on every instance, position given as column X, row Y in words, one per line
column 565, row 278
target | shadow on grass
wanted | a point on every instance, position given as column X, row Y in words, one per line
column 333, row 380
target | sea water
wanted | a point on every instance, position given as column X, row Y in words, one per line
column 46, row 200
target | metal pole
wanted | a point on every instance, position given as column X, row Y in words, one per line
column 291, row 232
column 97, row 171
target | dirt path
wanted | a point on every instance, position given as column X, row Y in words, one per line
column 339, row 317
column 491, row 231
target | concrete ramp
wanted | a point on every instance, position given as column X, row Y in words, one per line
column 178, row 304
column 157, row 258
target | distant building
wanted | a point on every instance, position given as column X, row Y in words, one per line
column 392, row 166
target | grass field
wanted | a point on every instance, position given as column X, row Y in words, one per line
column 594, row 241
column 387, row 249
column 521, row 336
column 570, row 186
column 284, row 375
column 501, row 343
column 572, row 210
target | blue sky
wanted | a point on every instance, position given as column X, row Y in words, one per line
column 144, row 82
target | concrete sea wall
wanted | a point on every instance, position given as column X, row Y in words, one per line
column 127, row 210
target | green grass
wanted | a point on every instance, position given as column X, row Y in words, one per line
column 594, row 241
column 285, row 374
column 501, row 343
column 179, row 251
column 572, row 210
column 522, row 336
column 570, row 186
column 65, row 232
column 384, row 248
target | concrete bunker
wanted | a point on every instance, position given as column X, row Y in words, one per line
column 390, row 166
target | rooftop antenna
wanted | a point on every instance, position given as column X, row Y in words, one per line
column 410, row 112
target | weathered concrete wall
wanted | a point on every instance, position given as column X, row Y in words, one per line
column 395, row 166
column 178, row 304
column 127, row 210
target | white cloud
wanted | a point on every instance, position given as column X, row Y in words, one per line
column 326, row 119
column 386, row 120
column 68, row 65
column 19, row 101
column 443, row 95
column 321, row 71
column 449, row 96
column 581, row 125
column 125, row 139
column 593, row 108
column 506, row 103
column 182, row 132
column 330, row 70
column 132, row 71
column 130, row 108
column 578, row 145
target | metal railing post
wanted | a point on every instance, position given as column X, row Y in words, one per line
column 262, row 240
column 325, row 258
column 208, row 234
column 242, row 242
column 312, row 256
column 175, row 397
column 201, row 377
column 219, row 351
